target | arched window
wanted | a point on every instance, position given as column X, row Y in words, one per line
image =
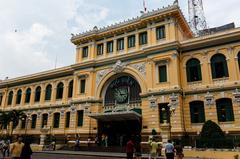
column 238, row 56
column 219, row 66
column 28, row 95
column 70, row 89
column 19, row 96
column 197, row 112
column 56, row 120
column 59, row 94
column 10, row 98
column 44, row 120
column 37, row 94
column 48, row 93
column 224, row 110
column 193, row 69
column 34, row 121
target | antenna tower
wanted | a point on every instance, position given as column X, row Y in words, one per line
column 197, row 18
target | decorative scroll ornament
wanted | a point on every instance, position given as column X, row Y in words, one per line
column 73, row 108
column 173, row 100
column 118, row 67
column 141, row 67
column 236, row 95
column 62, row 110
column 100, row 75
column 209, row 99
column 152, row 102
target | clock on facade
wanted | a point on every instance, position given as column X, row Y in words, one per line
column 121, row 94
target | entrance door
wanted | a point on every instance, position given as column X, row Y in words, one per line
column 119, row 132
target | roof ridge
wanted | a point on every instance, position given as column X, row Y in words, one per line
column 122, row 23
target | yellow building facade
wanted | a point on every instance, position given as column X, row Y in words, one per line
column 146, row 73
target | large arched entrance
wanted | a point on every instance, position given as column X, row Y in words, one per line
column 121, row 114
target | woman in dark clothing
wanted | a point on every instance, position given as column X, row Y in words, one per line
column 26, row 151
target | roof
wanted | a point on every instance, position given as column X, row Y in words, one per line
column 139, row 19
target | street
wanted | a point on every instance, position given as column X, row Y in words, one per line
column 61, row 156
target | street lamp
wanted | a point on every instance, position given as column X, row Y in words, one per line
column 27, row 118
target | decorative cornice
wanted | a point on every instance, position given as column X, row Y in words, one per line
column 134, row 21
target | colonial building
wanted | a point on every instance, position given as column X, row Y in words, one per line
column 146, row 73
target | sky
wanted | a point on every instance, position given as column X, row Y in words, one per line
column 35, row 34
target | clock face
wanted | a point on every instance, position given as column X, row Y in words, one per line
column 121, row 94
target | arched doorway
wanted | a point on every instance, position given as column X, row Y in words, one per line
column 121, row 115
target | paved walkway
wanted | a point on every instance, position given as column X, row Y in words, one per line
column 95, row 154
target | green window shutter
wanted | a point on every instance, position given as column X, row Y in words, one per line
column 229, row 110
column 201, row 112
column 160, row 31
column 213, row 68
column 197, row 107
column 225, row 67
column 109, row 46
column 56, row 120
column 83, row 85
column 34, row 121
column 162, row 73
column 199, row 72
column 192, row 113
column 80, row 118
column 10, row 97
column 143, row 38
column 67, row 122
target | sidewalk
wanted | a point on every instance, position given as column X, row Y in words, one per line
column 96, row 154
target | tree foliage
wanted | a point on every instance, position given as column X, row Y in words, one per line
column 211, row 130
column 9, row 120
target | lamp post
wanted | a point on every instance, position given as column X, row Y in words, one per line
column 27, row 119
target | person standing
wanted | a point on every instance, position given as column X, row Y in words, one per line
column 130, row 149
column 77, row 144
column 26, row 151
column 169, row 150
column 16, row 149
column 6, row 145
column 179, row 150
column 154, row 147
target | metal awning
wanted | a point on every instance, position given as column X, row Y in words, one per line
column 116, row 116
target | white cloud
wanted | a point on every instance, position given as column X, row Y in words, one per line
column 23, row 52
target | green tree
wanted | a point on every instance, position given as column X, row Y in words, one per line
column 211, row 130
column 212, row 136
column 10, row 120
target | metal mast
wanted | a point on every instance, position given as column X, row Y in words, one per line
column 197, row 18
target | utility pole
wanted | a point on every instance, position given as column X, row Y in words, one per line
column 197, row 18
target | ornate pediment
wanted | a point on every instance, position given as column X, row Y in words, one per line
column 118, row 67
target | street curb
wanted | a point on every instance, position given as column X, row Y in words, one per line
column 95, row 154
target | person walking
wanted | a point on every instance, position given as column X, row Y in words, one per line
column 16, row 149
column 77, row 144
column 169, row 150
column 5, row 148
column 154, row 147
column 130, row 149
column 179, row 150
column 26, row 151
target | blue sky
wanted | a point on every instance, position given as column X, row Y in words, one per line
column 34, row 32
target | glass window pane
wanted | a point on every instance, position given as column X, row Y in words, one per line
column 162, row 73
column 82, row 86
column 80, row 118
